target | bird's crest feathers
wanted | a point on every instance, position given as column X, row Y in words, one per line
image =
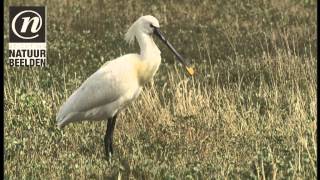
column 130, row 35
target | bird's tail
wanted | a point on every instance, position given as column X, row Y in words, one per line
column 60, row 120
column 62, row 117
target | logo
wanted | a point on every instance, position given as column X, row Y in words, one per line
column 27, row 24
column 27, row 36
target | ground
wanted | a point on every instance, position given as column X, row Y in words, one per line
column 248, row 113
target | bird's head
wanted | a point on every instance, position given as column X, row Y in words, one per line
column 145, row 24
column 150, row 25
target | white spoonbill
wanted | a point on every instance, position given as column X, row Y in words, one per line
column 118, row 82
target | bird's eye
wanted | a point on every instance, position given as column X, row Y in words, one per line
column 151, row 25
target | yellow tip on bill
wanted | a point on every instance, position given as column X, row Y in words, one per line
column 190, row 70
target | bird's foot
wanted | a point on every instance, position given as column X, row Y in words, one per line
column 109, row 150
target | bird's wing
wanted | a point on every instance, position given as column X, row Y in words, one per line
column 106, row 85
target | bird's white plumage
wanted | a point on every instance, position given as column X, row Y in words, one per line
column 138, row 27
column 116, row 83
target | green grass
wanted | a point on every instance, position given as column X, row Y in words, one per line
column 248, row 113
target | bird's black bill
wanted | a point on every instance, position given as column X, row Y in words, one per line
column 186, row 63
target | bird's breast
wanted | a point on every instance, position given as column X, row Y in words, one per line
column 147, row 68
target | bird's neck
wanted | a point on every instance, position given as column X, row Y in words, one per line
column 150, row 58
column 148, row 49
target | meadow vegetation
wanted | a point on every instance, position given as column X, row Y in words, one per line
column 248, row 113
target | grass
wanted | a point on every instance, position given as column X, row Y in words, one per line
column 249, row 113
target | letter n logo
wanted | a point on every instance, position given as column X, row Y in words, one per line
column 27, row 24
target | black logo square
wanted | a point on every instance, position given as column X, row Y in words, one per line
column 27, row 24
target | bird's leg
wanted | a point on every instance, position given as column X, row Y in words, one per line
column 108, row 138
column 111, row 133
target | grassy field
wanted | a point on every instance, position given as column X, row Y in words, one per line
column 248, row 113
